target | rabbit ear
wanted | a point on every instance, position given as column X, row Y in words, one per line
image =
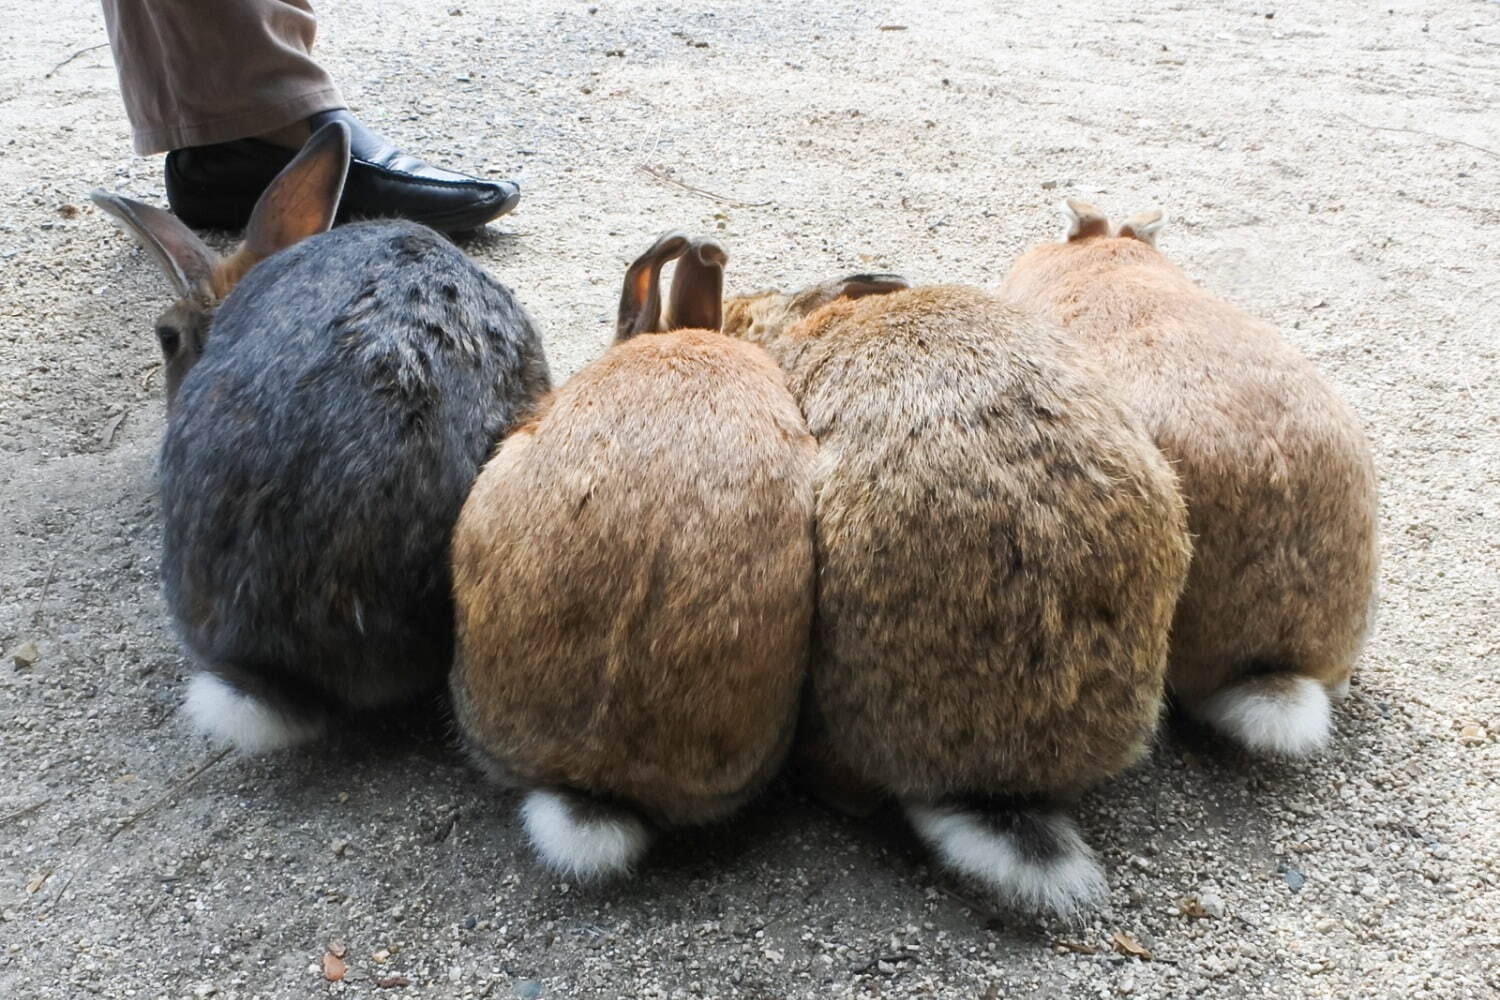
column 1144, row 226
column 187, row 262
column 640, row 301
column 304, row 198
column 857, row 286
column 1082, row 220
column 697, row 299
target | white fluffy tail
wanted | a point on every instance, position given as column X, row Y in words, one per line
column 225, row 714
column 1283, row 714
column 581, row 836
column 1031, row 859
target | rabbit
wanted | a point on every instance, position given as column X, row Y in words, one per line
column 999, row 551
column 330, row 399
column 633, row 578
column 1277, row 474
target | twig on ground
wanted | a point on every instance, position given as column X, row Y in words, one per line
column 661, row 174
column 978, row 908
column 36, row 612
column 139, row 814
column 166, row 796
column 83, row 51
column 891, row 958
column 25, row 811
column 1417, row 131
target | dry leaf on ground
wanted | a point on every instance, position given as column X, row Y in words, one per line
column 1077, row 947
column 1192, row 908
column 1127, row 945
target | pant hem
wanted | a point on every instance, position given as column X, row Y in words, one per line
column 148, row 141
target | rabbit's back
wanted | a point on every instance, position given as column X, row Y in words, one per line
column 317, row 456
column 1000, row 548
column 1276, row 470
column 1264, row 448
column 633, row 575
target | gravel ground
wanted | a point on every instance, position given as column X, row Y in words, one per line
column 1325, row 167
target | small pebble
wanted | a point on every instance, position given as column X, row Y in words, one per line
column 528, row 989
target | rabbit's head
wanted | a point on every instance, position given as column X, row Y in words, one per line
column 697, row 298
column 299, row 203
column 1082, row 221
column 762, row 317
column 1056, row 276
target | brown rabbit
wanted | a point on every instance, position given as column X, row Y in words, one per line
column 634, row 580
column 1000, row 548
column 1276, row 472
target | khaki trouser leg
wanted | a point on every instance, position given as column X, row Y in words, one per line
column 195, row 72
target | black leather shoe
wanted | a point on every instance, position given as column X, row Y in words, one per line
column 215, row 187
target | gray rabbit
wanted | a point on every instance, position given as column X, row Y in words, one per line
column 330, row 401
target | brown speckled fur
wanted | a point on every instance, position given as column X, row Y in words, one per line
column 1000, row 546
column 1274, row 467
column 633, row 574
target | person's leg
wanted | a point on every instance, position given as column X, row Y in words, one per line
column 198, row 72
column 229, row 90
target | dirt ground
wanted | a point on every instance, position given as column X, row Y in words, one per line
column 1331, row 167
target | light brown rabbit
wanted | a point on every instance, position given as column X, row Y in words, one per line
column 1000, row 548
column 634, row 580
column 1276, row 472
